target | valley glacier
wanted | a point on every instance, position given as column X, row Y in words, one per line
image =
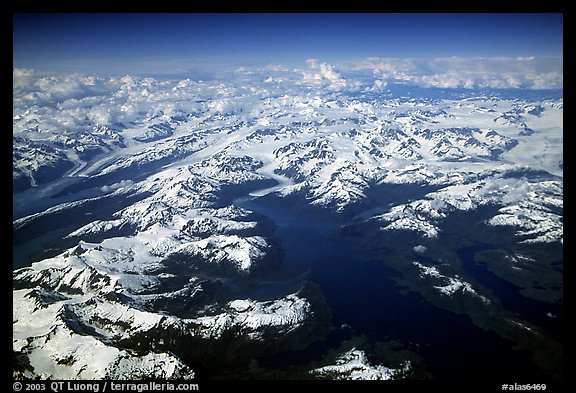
column 130, row 187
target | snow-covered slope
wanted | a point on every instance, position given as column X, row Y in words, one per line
column 77, row 316
column 353, row 365
column 450, row 285
column 162, row 157
column 110, row 292
column 535, row 208
column 53, row 344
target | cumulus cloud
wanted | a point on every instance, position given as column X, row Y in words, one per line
column 379, row 85
column 507, row 190
column 117, row 186
column 324, row 74
column 225, row 106
column 467, row 72
column 75, row 101
column 378, row 74
column 33, row 88
column 22, row 77
column 277, row 68
column 420, row 249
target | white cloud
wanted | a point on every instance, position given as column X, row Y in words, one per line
column 224, row 106
column 466, row 72
column 378, row 74
column 277, row 68
column 379, row 85
column 79, row 102
column 548, row 80
column 22, row 77
column 420, row 249
column 32, row 88
column 117, row 186
column 506, row 190
column 323, row 74
column 100, row 115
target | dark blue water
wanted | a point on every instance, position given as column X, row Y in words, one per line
column 35, row 200
column 361, row 293
column 546, row 315
column 40, row 198
column 44, row 236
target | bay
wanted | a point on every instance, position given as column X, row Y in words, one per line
column 362, row 295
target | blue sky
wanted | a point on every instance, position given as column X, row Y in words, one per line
column 44, row 38
column 176, row 44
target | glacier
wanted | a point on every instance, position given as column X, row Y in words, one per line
column 180, row 154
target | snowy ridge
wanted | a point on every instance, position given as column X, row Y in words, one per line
column 64, row 206
column 109, row 292
column 353, row 365
column 69, row 273
column 97, row 226
column 208, row 224
column 534, row 207
column 74, row 338
column 538, row 216
column 148, row 269
column 69, row 317
column 55, row 349
column 285, row 314
column 242, row 252
column 451, row 285
column 345, row 185
column 177, row 217
column 331, row 149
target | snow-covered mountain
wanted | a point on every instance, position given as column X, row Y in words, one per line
column 126, row 285
column 353, row 365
